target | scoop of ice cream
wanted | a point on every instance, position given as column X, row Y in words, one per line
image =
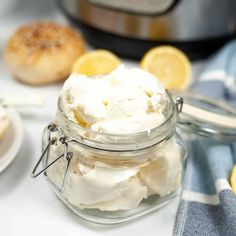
column 124, row 101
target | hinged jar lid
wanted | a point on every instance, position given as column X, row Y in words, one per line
column 207, row 117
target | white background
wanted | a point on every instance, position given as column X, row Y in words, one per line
column 28, row 206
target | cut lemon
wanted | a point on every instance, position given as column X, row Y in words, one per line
column 97, row 62
column 169, row 65
column 233, row 179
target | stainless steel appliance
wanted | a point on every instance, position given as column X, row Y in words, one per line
column 131, row 27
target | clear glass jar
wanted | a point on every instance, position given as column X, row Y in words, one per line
column 108, row 178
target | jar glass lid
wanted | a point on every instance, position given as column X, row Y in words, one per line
column 207, row 117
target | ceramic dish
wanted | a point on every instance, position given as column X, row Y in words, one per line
column 10, row 144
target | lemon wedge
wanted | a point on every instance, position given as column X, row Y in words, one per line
column 233, row 180
column 97, row 62
column 169, row 65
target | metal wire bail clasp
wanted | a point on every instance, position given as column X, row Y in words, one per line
column 179, row 101
column 61, row 139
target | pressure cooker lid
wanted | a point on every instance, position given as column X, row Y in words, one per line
column 147, row 7
column 207, row 117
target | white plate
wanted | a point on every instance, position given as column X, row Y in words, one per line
column 12, row 140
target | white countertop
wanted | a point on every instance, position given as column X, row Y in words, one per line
column 28, row 206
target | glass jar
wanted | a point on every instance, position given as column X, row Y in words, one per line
column 109, row 178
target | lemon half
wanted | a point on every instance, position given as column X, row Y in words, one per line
column 97, row 62
column 169, row 65
column 233, row 179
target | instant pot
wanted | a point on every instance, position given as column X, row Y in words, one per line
column 131, row 27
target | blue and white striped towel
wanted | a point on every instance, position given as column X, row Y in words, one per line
column 207, row 205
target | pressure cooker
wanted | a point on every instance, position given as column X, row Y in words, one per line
column 130, row 28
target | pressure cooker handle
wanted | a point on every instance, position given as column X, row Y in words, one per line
column 140, row 7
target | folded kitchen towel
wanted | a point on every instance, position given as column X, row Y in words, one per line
column 207, row 205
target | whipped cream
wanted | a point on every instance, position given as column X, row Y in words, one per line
column 125, row 101
column 111, row 188
column 122, row 102
column 3, row 113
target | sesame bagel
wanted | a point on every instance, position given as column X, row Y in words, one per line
column 43, row 52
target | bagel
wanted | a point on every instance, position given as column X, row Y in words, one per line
column 43, row 52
